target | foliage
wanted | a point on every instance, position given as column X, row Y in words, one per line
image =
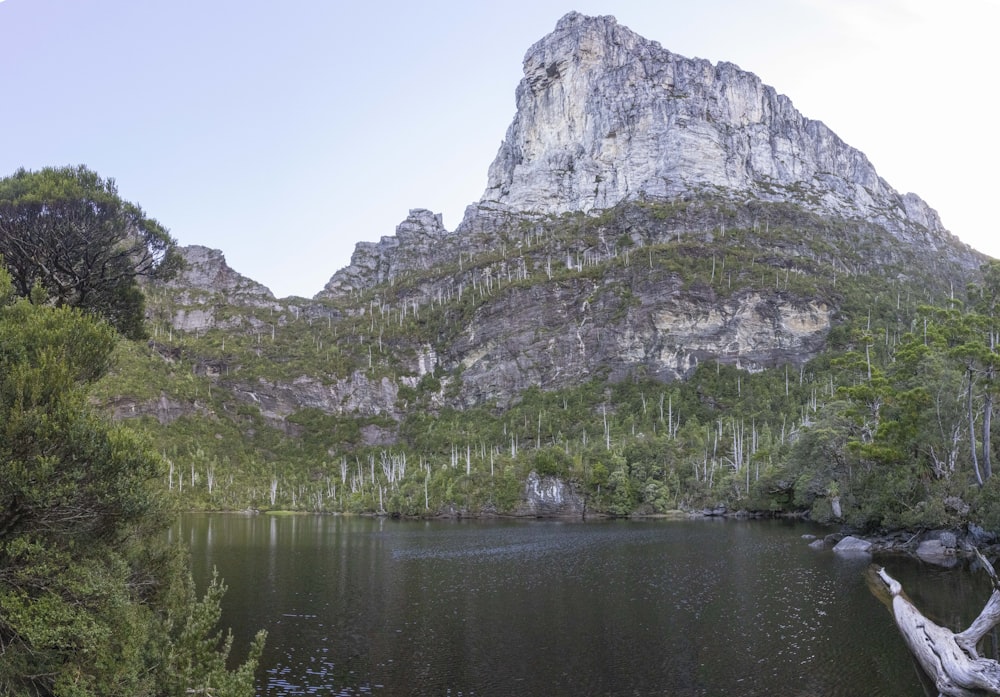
column 67, row 231
column 198, row 653
column 88, row 599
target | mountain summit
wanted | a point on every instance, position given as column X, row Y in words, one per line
column 604, row 116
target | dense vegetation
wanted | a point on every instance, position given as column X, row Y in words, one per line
column 93, row 601
column 888, row 427
column 68, row 238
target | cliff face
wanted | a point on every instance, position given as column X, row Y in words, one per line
column 207, row 275
column 556, row 335
column 604, row 115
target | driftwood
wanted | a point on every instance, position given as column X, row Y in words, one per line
column 951, row 660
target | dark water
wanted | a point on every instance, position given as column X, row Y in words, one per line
column 367, row 606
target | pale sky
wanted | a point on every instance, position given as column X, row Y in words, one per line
column 285, row 132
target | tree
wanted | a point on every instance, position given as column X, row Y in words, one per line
column 950, row 658
column 68, row 232
column 92, row 601
column 985, row 317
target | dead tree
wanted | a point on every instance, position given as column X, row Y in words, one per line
column 951, row 660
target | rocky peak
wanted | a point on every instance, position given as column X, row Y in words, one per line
column 604, row 115
column 206, row 270
column 414, row 246
column 196, row 291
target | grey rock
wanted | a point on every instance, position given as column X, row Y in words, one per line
column 206, row 270
column 164, row 409
column 818, row 544
column 853, row 545
column 979, row 536
column 553, row 335
column 605, row 115
column 956, row 505
column 948, row 539
column 936, row 552
column 356, row 394
column 417, row 244
column 549, row 497
column 198, row 288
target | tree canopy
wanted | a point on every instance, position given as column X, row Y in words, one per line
column 67, row 232
column 92, row 600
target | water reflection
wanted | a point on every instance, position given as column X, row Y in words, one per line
column 357, row 606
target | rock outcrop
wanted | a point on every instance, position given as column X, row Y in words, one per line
column 206, row 270
column 555, row 335
column 207, row 277
column 549, row 497
column 418, row 244
column 606, row 119
column 853, row 545
column 604, row 115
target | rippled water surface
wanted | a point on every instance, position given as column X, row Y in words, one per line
column 369, row 606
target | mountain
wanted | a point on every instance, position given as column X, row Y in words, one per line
column 653, row 228
column 605, row 116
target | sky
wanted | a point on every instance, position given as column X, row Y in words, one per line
column 283, row 133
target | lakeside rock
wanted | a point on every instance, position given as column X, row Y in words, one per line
column 942, row 548
column 853, row 545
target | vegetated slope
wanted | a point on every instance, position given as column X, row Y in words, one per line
column 653, row 348
column 577, row 346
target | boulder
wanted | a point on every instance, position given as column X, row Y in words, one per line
column 948, row 540
column 937, row 553
column 853, row 545
column 550, row 497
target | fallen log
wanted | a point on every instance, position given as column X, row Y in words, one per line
column 951, row 660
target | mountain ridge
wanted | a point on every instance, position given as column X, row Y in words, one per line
column 605, row 116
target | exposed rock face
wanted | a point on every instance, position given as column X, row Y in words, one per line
column 353, row 394
column 207, row 270
column 207, row 275
column 604, row 115
column 165, row 410
column 937, row 552
column 417, row 244
column 557, row 336
column 752, row 329
column 548, row 497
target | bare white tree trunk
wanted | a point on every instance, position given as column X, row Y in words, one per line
column 951, row 660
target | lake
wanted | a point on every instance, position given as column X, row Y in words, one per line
column 366, row 606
